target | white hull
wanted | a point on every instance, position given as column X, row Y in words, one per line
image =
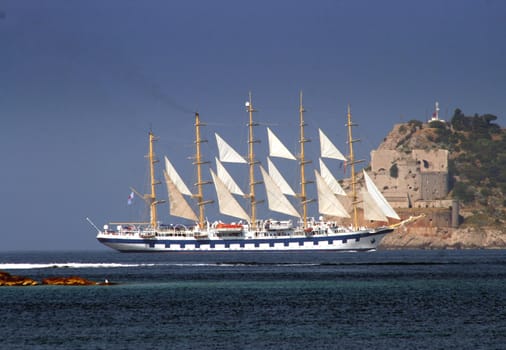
column 352, row 241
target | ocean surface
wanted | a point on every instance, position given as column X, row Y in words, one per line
column 376, row 300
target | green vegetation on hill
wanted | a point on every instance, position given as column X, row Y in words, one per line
column 477, row 162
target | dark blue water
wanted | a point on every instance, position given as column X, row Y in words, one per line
column 376, row 300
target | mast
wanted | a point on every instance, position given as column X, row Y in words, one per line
column 151, row 197
column 303, row 162
column 198, row 162
column 251, row 162
column 351, row 163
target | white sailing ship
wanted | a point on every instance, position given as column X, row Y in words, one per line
column 248, row 232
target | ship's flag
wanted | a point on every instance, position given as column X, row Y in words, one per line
column 130, row 198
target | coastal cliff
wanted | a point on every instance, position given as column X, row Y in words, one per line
column 445, row 238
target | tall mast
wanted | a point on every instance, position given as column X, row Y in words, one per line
column 303, row 162
column 351, row 163
column 251, row 162
column 152, row 196
column 198, row 162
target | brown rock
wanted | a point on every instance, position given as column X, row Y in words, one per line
column 68, row 281
column 6, row 279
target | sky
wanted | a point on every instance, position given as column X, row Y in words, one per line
column 83, row 82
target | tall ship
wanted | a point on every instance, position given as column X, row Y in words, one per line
column 337, row 227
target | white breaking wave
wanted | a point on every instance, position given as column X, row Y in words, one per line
column 78, row 265
column 27, row 266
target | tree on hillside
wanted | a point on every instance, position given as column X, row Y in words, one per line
column 459, row 121
column 479, row 161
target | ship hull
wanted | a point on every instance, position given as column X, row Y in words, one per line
column 353, row 241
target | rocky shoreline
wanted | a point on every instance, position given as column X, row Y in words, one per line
column 6, row 279
column 445, row 238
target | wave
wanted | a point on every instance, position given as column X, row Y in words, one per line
column 106, row 265
column 70, row 265
column 79, row 265
column 109, row 265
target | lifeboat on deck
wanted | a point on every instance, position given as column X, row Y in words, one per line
column 228, row 228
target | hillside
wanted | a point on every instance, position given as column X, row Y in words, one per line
column 477, row 172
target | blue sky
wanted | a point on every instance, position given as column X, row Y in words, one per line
column 82, row 83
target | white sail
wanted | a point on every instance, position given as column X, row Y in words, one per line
column 379, row 199
column 227, row 180
column 327, row 148
column 227, row 153
column 276, row 199
column 277, row 148
column 371, row 209
column 330, row 179
column 227, row 203
column 279, row 179
column 175, row 178
column 328, row 204
column 178, row 206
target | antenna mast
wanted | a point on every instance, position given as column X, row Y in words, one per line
column 435, row 114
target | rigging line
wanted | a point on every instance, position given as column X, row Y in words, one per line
column 234, row 125
column 288, row 124
column 268, row 124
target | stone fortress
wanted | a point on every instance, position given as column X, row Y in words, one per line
column 414, row 177
column 418, row 178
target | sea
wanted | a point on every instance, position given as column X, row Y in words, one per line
column 386, row 299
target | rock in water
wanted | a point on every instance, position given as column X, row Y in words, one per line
column 68, row 281
column 6, row 279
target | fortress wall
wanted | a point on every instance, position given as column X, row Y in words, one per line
column 422, row 175
column 431, row 161
column 433, row 218
column 434, row 185
column 382, row 160
column 437, row 204
column 409, row 181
